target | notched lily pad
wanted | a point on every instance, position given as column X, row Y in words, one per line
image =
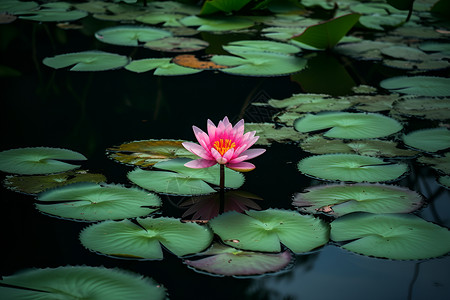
column 261, row 46
column 177, row 44
column 394, row 236
column 87, row 61
column 130, row 35
column 341, row 199
column 428, row 140
column 162, row 67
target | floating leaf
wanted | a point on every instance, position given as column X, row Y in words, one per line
column 428, row 140
column 268, row 133
column 38, row 160
column 363, row 50
column 162, row 66
column 444, row 181
column 327, row 34
column 341, row 199
column 261, row 46
column 264, row 230
column 70, row 282
column 439, row 163
column 148, row 152
column 394, row 236
column 190, row 61
column 87, row 61
column 373, row 103
column 217, row 23
column 351, row 167
column 227, row 6
column 177, row 44
column 418, row 85
column 349, row 125
column 94, row 202
column 53, row 15
column 39, row 183
column 130, row 35
column 143, row 240
column 228, row 261
column 429, row 108
column 13, row 6
column 168, row 19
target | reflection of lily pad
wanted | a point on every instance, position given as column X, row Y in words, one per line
column 148, row 152
column 429, row 140
column 144, row 239
column 351, row 167
column 38, row 183
column 429, row 108
column 349, row 125
column 439, row 163
column 394, row 236
column 130, row 35
column 264, row 230
column 418, row 85
column 38, row 160
column 71, row 282
column 342, row 199
column 228, row 261
column 94, row 202
column 177, row 44
column 87, row 61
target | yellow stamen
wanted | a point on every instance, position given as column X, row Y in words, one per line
column 223, row 146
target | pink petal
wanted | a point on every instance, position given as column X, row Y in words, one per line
column 227, row 156
column 217, row 156
column 201, row 136
column 252, row 153
column 200, row 163
column 239, row 129
column 197, row 150
column 242, row 166
column 211, row 130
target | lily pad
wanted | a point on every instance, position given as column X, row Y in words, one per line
column 261, row 46
column 227, row 261
column 394, row 236
column 351, row 168
column 177, row 44
column 439, row 163
column 53, row 15
column 341, row 199
column 95, row 202
column 143, row 239
column 130, row 35
column 268, row 133
column 38, row 160
column 146, row 153
column 373, row 103
column 190, row 61
column 265, row 230
column 167, row 19
column 227, row 6
column 347, row 125
column 217, row 23
column 428, row 140
column 162, row 66
column 311, row 103
column 69, row 282
column 418, row 85
column 13, row 6
column 428, row 108
column 444, row 181
column 87, row 61
column 39, row 183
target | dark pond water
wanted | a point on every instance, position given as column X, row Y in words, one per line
column 89, row 112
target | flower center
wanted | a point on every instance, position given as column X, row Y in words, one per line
column 223, row 145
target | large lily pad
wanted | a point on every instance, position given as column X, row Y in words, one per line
column 87, row 61
column 130, row 35
column 341, row 199
column 264, row 230
column 94, row 202
column 53, row 14
column 146, row 153
column 428, row 140
column 38, row 160
column 351, row 167
column 418, row 85
column 143, row 239
column 12, row 6
column 96, row 283
column 228, row 261
column 394, row 236
column 162, row 66
column 349, row 125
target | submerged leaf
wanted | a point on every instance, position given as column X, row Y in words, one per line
column 428, row 140
column 87, row 61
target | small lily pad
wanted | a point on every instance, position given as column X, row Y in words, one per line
column 95, row 202
column 71, row 282
column 428, row 140
column 130, row 35
column 146, row 153
column 418, row 85
column 439, row 163
column 261, row 46
column 348, row 125
column 394, row 236
column 228, row 261
column 217, row 23
column 162, row 66
column 264, row 230
column 177, row 44
column 143, row 239
column 87, row 61
column 38, row 160
column 341, row 199
column 351, row 167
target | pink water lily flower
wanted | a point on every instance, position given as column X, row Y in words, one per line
column 225, row 145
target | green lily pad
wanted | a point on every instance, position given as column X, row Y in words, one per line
column 162, row 67
column 39, row 183
column 143, row 239
column 428, row 108
column 444, row 181
column 228, row 261
column 296, row 100
column 373, row 103
column 260, row 63
column 217, row 23
column 351, row 168
column 38, row 160
column 394, row 236
column 268, row 133
column 130, row 35
column 428, row 140
column 13, row 6
column 327, row 34
column 439, row 163
column 70, row 282
column 264, row 230
column 95, row 202
column 347, row 125
column 318, row 145
column 341, row 199
column 87, row 61
column 53, row 15
column 227, row 6
column 177, row 44
column 146, row 153
column 261, row 46
column 418, row 85
column 363, row 50
column 167, row 19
